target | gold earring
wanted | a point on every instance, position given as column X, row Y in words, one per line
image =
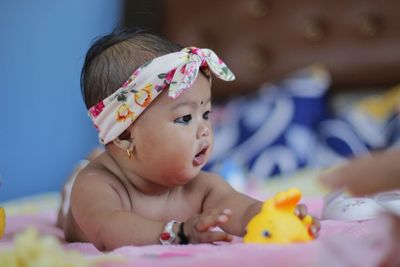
column 129, row 153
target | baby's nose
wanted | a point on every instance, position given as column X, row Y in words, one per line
column 204, row 131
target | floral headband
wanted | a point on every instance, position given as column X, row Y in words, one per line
column 176, row 71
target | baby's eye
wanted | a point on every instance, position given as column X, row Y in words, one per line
column 184, row 119
column 206, row 114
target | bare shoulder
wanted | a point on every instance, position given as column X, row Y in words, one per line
column 95, row 172
column 97, row 183
column 96, row 192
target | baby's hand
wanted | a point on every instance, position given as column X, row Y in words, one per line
column 301, row 211
column 198, row 228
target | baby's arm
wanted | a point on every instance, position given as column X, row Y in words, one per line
column 243, row 208
column 104, row 216
column 222, row 196
column 367, row 175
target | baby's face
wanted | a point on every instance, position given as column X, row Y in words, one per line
column 173, row 137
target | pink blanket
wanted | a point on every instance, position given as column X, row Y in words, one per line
column 340, row 244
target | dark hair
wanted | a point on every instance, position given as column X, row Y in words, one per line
column 112, row 59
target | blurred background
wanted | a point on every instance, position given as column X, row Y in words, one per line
column 275, row 118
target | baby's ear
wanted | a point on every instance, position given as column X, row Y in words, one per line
column 125, row 140
column 127, row 134
column 122, row 144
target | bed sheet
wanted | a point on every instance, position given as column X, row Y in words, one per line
column 340, row 243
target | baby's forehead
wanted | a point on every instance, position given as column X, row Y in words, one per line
column 167, row 103
column 185, row 101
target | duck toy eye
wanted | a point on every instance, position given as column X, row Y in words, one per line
column 266, row 234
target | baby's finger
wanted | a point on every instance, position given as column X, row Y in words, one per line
column 301, row 211
column 207, row 220
column 334, row 179
column 211, row 219
column 316, row 223
column 315, row 227
column 314, row 231
column 214, row 236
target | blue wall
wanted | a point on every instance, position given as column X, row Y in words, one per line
column 44, row 129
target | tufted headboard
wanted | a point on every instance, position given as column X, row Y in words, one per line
column 261, row 40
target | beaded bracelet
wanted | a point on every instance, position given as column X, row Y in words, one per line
column 184, row 240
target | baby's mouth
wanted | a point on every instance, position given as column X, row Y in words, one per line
column 200, row 157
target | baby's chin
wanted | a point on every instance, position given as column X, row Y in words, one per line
column 186, row 177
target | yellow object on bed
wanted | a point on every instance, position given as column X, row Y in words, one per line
column 2, row 222
column 277, row 222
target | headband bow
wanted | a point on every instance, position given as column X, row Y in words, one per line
column 177, row 71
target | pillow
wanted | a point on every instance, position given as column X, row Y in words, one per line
column 273, row 130
column 375, row 118
column 282, row 127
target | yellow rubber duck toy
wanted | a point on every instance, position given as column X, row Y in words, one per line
column 277, row 222
column 2, row 222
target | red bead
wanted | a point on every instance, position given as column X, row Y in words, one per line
column 165, row 236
